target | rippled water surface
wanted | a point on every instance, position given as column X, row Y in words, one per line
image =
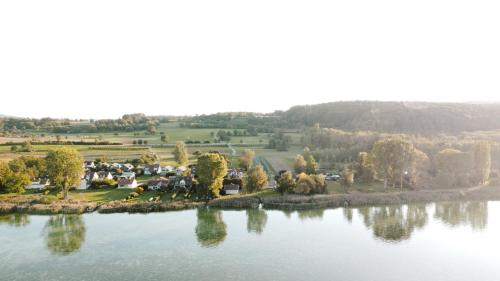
column 443, row 241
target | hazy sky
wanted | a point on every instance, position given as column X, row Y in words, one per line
column 104, row 58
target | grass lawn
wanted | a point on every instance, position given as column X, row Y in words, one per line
column 335, row 187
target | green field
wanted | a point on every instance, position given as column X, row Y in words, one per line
column 275, row 159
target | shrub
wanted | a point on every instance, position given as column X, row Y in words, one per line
column 103, row 183
column 139, row 190
column 310, row 184
column 286, row 184
column 257, row 179
column 48, row 199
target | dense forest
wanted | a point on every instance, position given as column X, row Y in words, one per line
column 396, row 117
column 386, row 117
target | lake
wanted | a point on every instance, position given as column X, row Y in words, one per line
column 442, row 241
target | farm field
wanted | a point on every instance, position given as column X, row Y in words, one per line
column 277, row 160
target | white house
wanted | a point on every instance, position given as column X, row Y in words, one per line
column 127, row 183
column 127, row 175
column 39, row 183
column 84, row 184
column 99, row 176
column 127, row 167
column 231, row 188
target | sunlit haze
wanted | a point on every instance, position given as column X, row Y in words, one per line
column 101, row 59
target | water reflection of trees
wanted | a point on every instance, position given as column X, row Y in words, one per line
column 311, row 214
column 64, row 234
column 210, row 228
column 16, row 220
column 256, row 220
column 394, row 223
column 474, row 214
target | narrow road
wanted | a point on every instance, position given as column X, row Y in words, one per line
column 233, row 151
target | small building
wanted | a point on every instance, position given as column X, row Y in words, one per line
column 127, row 175
column 127, row 183
column 154, row 169
column 93, row 176
column 158, row 184
column 84, row 184
column 231, row 188
column 127, row 167
column 39, row 184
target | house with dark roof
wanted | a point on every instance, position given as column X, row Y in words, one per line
column 127, row 183
column 158, row 184
column 154, row 169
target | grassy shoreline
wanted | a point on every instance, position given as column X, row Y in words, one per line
column 268, row 200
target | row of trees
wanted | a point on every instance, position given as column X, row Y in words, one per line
column 398, row 162
column 63, row 166
column 305, row 163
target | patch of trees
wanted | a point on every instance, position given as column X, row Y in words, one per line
column 303, row 184
column 128, row 122
column 253, row 123
column 279, row 141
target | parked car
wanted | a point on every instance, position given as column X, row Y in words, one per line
column 330, row 177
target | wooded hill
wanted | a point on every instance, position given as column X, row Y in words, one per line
column 394, row 117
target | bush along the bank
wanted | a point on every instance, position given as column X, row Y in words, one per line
column 310, row 184
column 304, row 184
column 137, row 191
column 103, row 183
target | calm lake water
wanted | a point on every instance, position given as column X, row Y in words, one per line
column 444, row 241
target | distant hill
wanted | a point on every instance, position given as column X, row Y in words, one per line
column 404, row 117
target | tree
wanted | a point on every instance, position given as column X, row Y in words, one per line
column 211, row 169
column 364, row 169
column 286, row 183
column 17, row 165
column 481, row 152
column 306, row 152
column 164, row 138
column 64, row 167
column 347, row 177
column 454, row 168
column 180, row 153
column 246, row 159
column 152, row 130
column 312, row 165
column 391, row 158
column 300, row 164
column 26, row 147
column 12, row 182
column 257, row 179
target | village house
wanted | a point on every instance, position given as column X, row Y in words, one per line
column 231, row 188
column 127, row 175
column 39, row 184
column 84, row 184
column 154, row 169
column 127, row 183
column 93, row 176
column 158, row 184
column 127, row 167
